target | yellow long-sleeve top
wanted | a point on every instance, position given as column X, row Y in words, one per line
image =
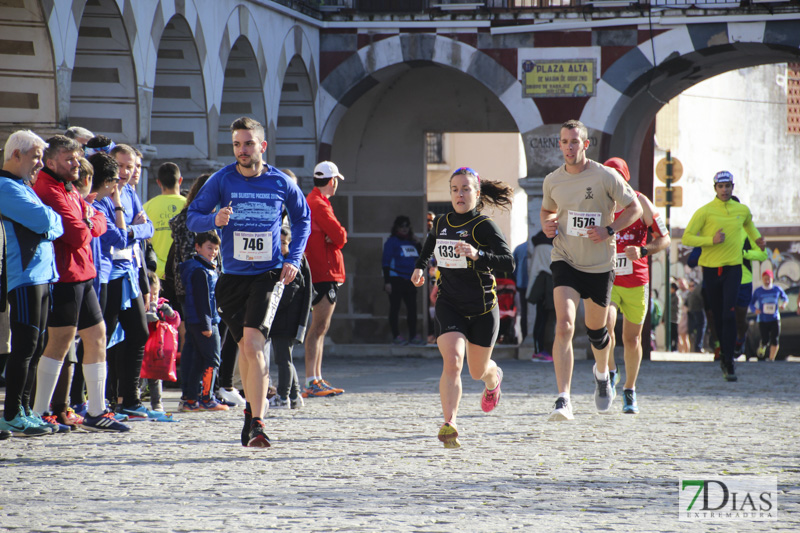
column 731, row 217
column 753, row 254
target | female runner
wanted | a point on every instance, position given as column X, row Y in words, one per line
column 468, row 246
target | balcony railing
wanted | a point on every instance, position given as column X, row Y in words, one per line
column 320, row 7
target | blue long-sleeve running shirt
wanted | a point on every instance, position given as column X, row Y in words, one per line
column 251, row 242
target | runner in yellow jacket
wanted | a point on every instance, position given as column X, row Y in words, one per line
column 720, row 228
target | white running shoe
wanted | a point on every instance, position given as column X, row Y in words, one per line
column 562, row 410
column 276, row 402
column 232, row 396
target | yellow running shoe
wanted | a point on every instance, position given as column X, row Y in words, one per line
column 448, row 434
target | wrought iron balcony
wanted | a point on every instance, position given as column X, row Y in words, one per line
column 355, row 8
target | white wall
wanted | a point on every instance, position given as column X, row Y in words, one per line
column 737, row 122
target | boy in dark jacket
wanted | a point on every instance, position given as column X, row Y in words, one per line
column 199, row 276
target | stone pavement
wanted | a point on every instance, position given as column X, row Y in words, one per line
column 369, row 460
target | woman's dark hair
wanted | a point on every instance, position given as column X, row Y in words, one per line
column 399, row 222
column 495, row 193
column 196, row 186
column 105, row 169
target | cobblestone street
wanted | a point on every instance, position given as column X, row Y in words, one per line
column 369, row 459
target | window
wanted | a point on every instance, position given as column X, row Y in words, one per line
column 434, row 148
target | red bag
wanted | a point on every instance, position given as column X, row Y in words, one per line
column 160, row 352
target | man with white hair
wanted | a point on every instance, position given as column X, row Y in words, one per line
column 82, row 135
column 31, row 227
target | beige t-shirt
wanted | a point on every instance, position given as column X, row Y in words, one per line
column 582, row 200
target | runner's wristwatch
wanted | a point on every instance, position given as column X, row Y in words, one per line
column 610, row 231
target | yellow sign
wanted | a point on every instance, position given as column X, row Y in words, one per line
column 677, row 197
column 565, row 77
column 677, row 169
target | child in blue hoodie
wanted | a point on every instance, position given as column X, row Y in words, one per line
column 199, row 276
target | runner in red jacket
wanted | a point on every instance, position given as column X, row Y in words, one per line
column 324, row 254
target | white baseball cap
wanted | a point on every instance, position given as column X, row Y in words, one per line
column 327, row 169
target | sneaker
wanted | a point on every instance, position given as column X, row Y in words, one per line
column 328, row 386
column 231, row 396
column 542, row 357
column 448, row 435
column 728, row 372
column 604, row 393
column 80, row 409
column 317, row 389
column 418, row 341
column 629, row 405
column 140, row 412
column 399, row 341
column 189, row 406
column 104, row 422
column 276, row 402
column 4, row 434
column 212, row 405
column 761, row 353
column 21, row 426
column 36, row 418
column 119, row 417
column 562, row 410
column 297, row 403
column 224, row 402
column 60, row 428
column 246, row 428
column 70, row 417
column 613, row 376
column 257, row 436
column 491, row 398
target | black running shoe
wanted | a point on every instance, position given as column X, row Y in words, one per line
column 258, row 437
column 248, row 418
column 728, row 371
column 5, row 434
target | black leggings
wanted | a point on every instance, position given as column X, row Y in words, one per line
column 227, row 361
column 128, row 355
column 403, row 290
column 288, row 384
column 29, row 308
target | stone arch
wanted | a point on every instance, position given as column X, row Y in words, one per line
column 242, row 93
column 296, row 133
column 103, row 84
column 30, row 77
column 685, row 56
column 179, row 120
column 363, row 70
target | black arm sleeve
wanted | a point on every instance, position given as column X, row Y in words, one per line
column 499, row 257
column 427, row 249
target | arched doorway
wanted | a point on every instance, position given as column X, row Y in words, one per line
column 296, row 136
column 379, row 144
column 242, row 94
column 179, row 125
column 103, row 92
column 28, row 81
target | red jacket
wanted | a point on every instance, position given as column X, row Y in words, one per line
column 73, row 249
column 325, row 258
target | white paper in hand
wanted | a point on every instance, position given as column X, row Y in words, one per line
column 272, row 307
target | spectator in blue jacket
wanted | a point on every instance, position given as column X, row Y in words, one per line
column 400, row 253
column 30, row 227
column 199, row 276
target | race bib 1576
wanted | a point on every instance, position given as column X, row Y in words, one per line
column 579, row 222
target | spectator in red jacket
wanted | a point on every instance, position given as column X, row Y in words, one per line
column 75, row 305
column 324, row 254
